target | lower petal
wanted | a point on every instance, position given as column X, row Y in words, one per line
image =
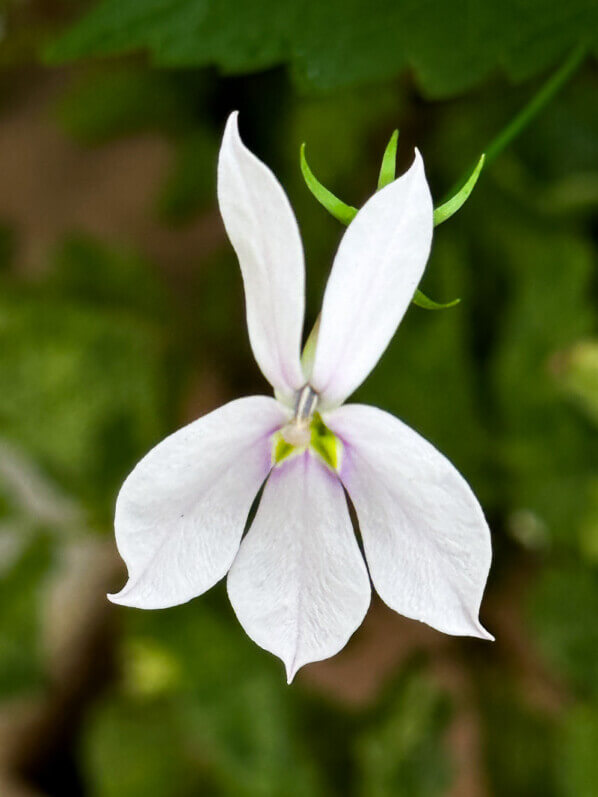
column 181, row 512
column 426, row 540
column 299, row 585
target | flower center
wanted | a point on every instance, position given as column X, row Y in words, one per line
column 306, row 429
column 297, row 432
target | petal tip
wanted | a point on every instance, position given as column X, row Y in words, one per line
column 418, row 162
column 477, row 630
column 134, row 598
column 232, row 120
column 114, row 597
column 291, row 673
column 484, row 634
column 121, row 598
column 231, row 136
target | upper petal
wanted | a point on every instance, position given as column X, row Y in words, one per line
column 378, row 266
column 263, row 231
column 426, row 541
column 181, row 512
column 299, row 585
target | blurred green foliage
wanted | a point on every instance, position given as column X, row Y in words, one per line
column 340, row 43
column 521, row 745
column 21, row 592
column 394, row 755
column 80, row 375
column 579, row 737
column 104, row 351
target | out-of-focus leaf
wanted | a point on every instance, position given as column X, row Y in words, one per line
column 577, row 372
column 588, row 528
column 149, row 669
column 237, row 713
column 103, row 104
column 191, row 183
column 339, row 43
column 546, row 449
column 89, row 272
column 578, row 764
column 403, row 753
column 82, row 388
column 21, row 663
column 134, row 749
column 563, row 608
column 564, row 144
column 109, row 103
column 519, row 743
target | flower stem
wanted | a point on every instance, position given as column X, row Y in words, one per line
column 542, row 97
column 530, row 110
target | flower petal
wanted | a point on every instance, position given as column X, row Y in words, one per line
column 263, row 231
column 181, row 512
column 378, row 266
column 299, row 585
column 426, row 541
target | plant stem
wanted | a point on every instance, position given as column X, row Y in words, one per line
column 542, row 97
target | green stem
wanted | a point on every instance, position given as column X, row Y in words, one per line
column 546, row 92
column 529, row 111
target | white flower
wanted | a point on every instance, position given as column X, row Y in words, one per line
column 297, row 581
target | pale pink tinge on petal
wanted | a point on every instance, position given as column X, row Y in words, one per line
column 263, row 231
column 426, row 541
column 181, row 512
column 299, row 585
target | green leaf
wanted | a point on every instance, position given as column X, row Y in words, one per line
column 342, row 212
column 451, row 206
column 421, row 300
column 340, row 42
column 389, row 162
